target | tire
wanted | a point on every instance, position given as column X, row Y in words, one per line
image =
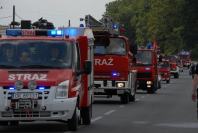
column 3, row 123
column 14, row 123
column 73, row 122
column 124, row 98
column 176, row 75
column 168, row 81
column 132, row 97
column 86, row 114
column 159, row 85
column 153, row 89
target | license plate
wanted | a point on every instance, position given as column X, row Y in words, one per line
column 99, row 90
column 25, row 95
column 120, row 91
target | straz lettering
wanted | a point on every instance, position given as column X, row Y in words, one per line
column 42, row 77
column 101, row 62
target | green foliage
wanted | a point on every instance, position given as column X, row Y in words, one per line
column 173, row 23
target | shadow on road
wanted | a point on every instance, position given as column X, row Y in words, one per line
column 35, row 127
column 107, row 101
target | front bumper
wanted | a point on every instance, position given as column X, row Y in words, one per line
column 143, row 84
column 47, row 108
column 110, row 88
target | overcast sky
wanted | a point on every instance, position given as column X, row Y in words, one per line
column 56, row 11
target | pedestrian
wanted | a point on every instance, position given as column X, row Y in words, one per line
column 195, row 82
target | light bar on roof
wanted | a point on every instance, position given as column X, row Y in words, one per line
column 55, row 33
column 26, row 32
column 13, row 32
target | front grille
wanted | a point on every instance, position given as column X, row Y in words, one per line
column 26, row 114
column 97, row 85
column 144, row 75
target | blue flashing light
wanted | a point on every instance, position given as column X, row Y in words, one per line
column 11, row 88
column 59, row 32
column 13, row 32
column 115, row 26
column 41, row 88
column 115, row 74
column 72, row 32
column 55, row 33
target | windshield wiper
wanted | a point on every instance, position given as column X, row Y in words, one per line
column 7, row 66
column 38, row 66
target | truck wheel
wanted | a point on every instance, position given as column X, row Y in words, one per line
column 168, row 81
column 176, row 76
column 153, row 89
column 3, row 123
column 124, row 98
column 86, row 114
column 159, row 85
column 73, row 122
column 14, row 123
column 132, row 98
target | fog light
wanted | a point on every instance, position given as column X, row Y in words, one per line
column 43, row 107
column 148, row 86
column 120, row 84
column 32, row 85
column 149, row 82
column 19, row 85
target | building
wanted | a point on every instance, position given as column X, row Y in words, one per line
column 3, row 29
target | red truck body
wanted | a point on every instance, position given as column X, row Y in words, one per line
column 114, row 73
column 147, row 71
column 164, row 70
column 41, row 90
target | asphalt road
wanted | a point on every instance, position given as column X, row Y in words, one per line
column 170, row 110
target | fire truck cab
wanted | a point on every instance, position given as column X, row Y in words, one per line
column 46, row 75
column 147, row 70
column 164, row 70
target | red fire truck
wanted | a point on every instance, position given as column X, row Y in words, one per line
column 185, row 57
column 114, row 73
column 113, row 68
column 146, row 65
column 46, row 75
column 164, row 70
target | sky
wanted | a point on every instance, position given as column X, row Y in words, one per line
column 57, row 11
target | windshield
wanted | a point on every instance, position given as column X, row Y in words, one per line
column 35, row 54
column 164, row 65
column 144, row 58
column 115, row 46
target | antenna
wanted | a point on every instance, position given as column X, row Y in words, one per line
column 69, row 23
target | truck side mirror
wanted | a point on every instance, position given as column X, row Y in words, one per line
column 88, row 67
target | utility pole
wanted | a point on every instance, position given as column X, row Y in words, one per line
column 13, row 17
column 69, row 23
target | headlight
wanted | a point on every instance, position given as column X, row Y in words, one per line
column 120, row 84
column 62, row 90
column 149, row 82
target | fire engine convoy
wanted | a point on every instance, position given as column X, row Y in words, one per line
column 46, row 75
column 114, row 74
column 147, row 70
